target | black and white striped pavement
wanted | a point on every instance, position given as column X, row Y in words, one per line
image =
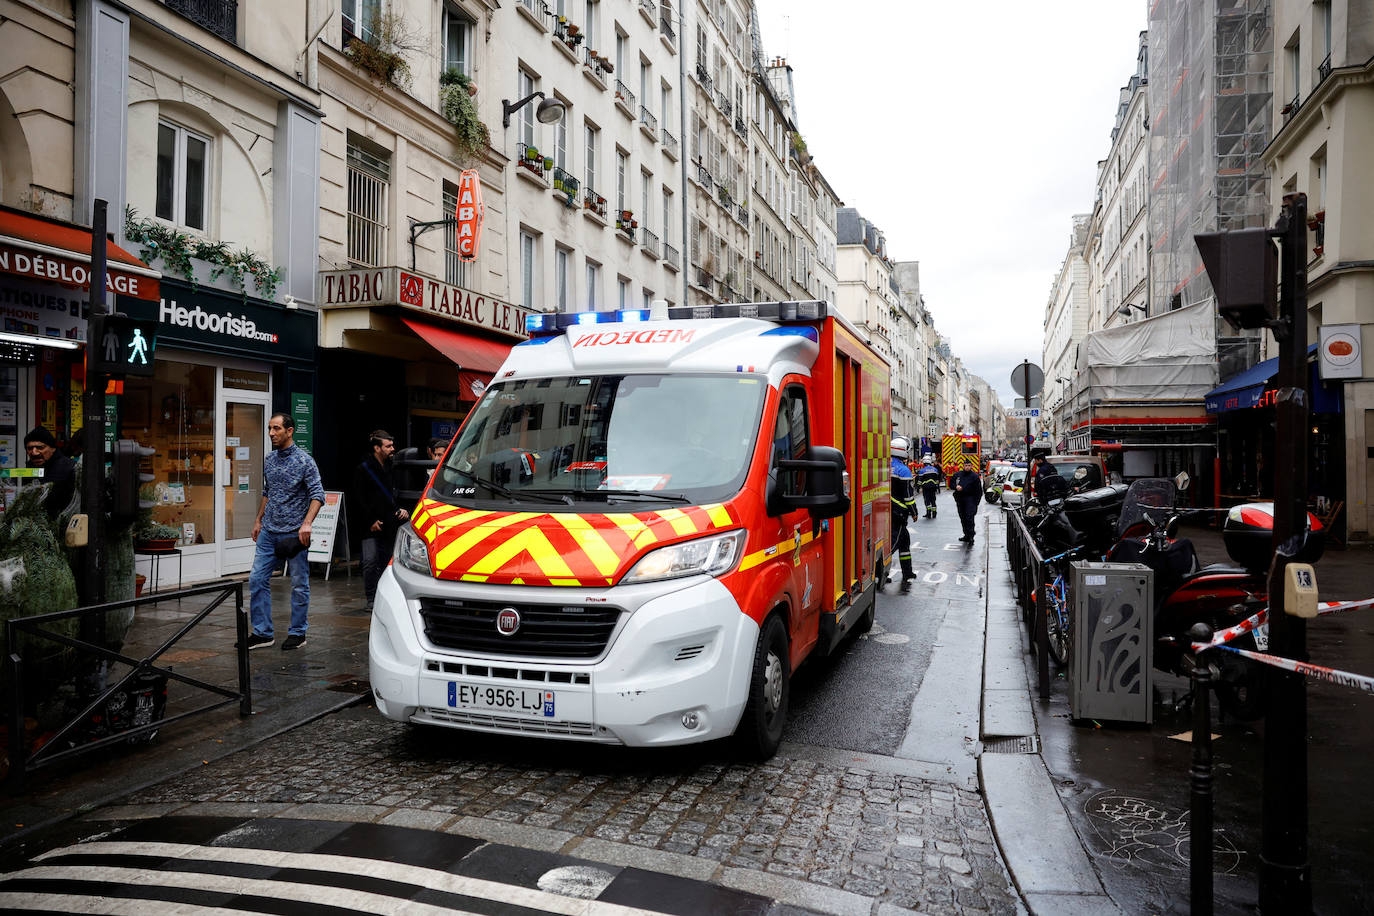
column 325, row 868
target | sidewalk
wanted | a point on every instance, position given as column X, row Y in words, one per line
column 288, row 689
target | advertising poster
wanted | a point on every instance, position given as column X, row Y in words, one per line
column 325, row 528
column 303, row 411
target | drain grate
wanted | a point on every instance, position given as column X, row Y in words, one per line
column 1024, row 745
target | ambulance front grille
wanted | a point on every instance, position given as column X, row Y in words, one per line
column 511, row 723
column 546, row 631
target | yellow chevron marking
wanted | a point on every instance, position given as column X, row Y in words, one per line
column 461, row 544
column 719, row 515
column 437, row 522
column 591, row 542
column 568, row 582
column 533, row 541
column 681, row 521
column 469, row 577
column 638, row 532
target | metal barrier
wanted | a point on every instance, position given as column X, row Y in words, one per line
column 1028, row 572
column 21, row 761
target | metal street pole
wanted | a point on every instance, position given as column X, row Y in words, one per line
column 1285, row 879
column 1025, row 374
column 93, row 428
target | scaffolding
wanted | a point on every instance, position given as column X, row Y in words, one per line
column 1211, row 104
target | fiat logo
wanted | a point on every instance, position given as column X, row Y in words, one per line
column 507, row 621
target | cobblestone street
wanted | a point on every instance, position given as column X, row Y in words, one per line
column 894, row 840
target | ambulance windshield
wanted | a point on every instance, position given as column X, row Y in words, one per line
column 607, row 439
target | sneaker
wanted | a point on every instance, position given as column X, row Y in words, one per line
column 292, row 642
column 257, row 642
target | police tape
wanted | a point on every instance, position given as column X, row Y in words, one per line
column 1324, row 609
column 1320, row 672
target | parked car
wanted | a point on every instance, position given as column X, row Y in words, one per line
column 1081, row 472
column 1012, row 486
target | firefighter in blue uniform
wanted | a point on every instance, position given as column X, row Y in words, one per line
column 929, row 480
column 903, row 508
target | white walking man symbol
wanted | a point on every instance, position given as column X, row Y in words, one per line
column 139, row 347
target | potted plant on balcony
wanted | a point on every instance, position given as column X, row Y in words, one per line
column 456, row 90
column 1315, row 219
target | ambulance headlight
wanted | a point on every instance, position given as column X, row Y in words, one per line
column 411, row 552
column 711, row 556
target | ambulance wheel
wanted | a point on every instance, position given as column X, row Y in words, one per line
column 770, row 686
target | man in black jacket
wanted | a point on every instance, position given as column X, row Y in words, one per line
column 968, row 493
column 59, row 471
column 373, row 495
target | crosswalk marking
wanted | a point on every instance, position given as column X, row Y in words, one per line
column 416, row 876
column 109, row 906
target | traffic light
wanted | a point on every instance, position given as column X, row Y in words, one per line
column 124, row 345
column 1243, row 266
column 127, row 477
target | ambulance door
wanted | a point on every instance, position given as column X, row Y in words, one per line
column 792, row 440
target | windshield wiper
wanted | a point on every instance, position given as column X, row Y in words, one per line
column 646, row 494
column 497, row 488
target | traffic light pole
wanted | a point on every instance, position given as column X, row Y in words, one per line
column 1285, row 879
column 93, row 424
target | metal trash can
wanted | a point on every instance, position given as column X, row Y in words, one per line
column 1110, row 674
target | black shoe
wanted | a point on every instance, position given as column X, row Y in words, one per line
column 257, row 642
column 906, row 584
column 292, row 642
column 966, row 540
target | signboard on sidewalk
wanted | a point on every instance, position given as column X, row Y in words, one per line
column 324, row 532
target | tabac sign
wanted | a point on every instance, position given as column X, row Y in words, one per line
column 393, row 286
column 469, row 213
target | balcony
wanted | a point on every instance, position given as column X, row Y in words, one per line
column 704, row 176
column 744, row 213
column 669, row 143
column 625, row 221
column 649, row 10
column 723, row 100
column 1288, row 111
column 218, row 16
column 723, row 195
column 597, row 68
column 532, row 161
column 741, row 128
column 566, row 187
column 648, row 123
column 665, row 28
column 568, row 33
column 625, row 99
column 672, row 258
column 1324, row 68
column 593, row 203
column 650, row 243
column 537, row 11
column 704, row 77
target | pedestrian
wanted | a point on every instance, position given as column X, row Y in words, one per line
column 291, row 497
column 929, row 481
column 436, row 448
column 903, row 507
column 373, row 495
column 968, row 493
column 59, row 471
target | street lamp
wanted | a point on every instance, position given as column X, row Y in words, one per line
column 549, row 110
column 1126, row 309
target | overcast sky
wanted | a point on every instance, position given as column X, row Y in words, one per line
column 970, row 135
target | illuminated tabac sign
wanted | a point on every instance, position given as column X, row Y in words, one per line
column 469, row 214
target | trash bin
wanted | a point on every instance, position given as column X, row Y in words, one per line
column 1110, row 673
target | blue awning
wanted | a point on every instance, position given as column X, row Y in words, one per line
column 1247, row 389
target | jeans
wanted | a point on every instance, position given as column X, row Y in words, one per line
column 377, row 550
column 260, row 585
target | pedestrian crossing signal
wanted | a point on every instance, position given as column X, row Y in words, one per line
column 124, row 346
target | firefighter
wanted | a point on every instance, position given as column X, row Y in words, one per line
column 903, row 508
column 929, row 480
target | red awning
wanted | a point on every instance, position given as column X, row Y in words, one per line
column 49, row 251
column 468, row 351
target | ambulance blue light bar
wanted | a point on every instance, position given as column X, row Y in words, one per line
column 543, row 325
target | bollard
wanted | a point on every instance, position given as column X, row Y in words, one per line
column 1200, row 800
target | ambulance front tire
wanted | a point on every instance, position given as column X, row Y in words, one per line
column 770, row 687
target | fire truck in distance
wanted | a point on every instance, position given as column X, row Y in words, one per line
column 957, row 451
column 647, row 522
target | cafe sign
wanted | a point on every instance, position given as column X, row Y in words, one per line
column 420, row 293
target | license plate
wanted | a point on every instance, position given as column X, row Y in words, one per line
column 1261, row 637
column 517, row 701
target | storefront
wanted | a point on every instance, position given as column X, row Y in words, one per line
column 224, row 365
column 44, row 295
column 402, row 352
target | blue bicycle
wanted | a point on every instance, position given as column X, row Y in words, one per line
column 1058, row 611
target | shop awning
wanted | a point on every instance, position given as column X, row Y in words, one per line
column 1247, row 388
column 47, row 251
column 468, row 351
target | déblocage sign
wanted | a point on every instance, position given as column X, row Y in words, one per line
column 394, row 286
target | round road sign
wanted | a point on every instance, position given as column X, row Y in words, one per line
column 1027, row 378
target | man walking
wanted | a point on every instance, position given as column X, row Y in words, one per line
column 968, row 493
column 929, row 481
column 903, row 507
column 291, row 497
column 374, row 501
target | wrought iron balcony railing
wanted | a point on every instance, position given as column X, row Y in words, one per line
column 599, row 66
column 672, row 256
column 594, row 202
column 647, row 119
column 669, row 142
column 704, row 175
column 624, row 95
column 650, row 7
column 538, row 9
column 1324, row 68
column 218, row 16
column 666, row 28
column 650, row 242
column 532, row 160
column 565, row 185
column 704, row 76
column 723, row 101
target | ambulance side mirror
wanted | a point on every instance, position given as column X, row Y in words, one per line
column 818, row 482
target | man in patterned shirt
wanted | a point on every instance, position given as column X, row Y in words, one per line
column 291, row 496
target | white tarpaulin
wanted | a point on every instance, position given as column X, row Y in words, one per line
column 1169, row 357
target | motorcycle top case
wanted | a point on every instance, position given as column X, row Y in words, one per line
column 1248, row 533
column 1091, row 506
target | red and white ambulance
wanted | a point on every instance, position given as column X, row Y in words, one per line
column 648, row 521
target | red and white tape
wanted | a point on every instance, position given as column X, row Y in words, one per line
column 1320, row 672
column 1324, row 609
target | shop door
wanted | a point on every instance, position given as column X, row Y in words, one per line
column 245, row 446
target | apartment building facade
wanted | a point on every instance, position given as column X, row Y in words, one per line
column 1066, row 323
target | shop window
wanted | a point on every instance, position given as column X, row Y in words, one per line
column 183, row 160
column 174, row 413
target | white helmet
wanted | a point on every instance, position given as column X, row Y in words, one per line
column 899, row 447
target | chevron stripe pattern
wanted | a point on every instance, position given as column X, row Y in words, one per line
column 552, row 548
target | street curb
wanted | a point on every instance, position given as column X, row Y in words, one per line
column 1048, row 863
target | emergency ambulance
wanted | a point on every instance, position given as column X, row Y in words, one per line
column 647, row 522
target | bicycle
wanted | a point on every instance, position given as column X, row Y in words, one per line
column 1058, row 614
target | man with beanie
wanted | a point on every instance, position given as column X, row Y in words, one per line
column 59, row 471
